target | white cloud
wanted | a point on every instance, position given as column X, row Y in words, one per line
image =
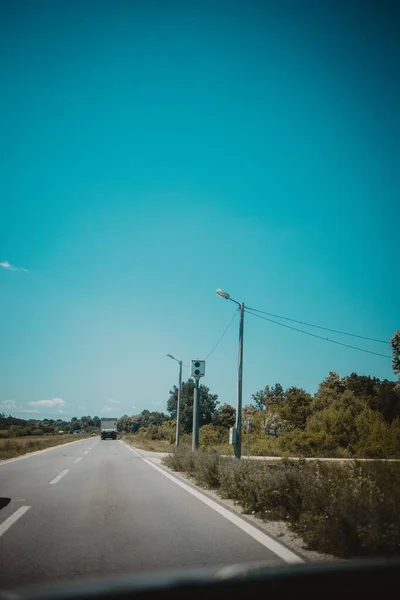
column 106, row 409
column 113, row 401
column 52, row 402
column 6, row 265
column 158, row 404
column 10, row 406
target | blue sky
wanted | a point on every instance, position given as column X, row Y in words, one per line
column 152, row 152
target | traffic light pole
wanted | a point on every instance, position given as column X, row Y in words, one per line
column 178, row 408
column 238, row 424
column 196, row 412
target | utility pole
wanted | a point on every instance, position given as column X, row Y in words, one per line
column 178, row 408
column 236, row 432
column 178, row 405
column 238, row 424
column 196, row 411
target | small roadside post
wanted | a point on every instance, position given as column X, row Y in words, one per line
column 248, row 423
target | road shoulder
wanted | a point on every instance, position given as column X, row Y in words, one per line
column 279, row 531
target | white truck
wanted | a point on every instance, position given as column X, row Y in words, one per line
column 108, row 428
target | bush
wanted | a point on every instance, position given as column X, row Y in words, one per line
column 308, row 443
column 210, row 435
column 263, row 447
column 345, row 509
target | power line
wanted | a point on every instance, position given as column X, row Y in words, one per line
column 230, row 323
column 362, row 337
column 317, row 336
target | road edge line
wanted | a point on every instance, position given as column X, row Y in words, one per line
column 265, row 540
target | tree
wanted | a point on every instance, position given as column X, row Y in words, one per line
column 395, row 341
column 208, row 405
column 380, row 396
column 225, row 416
column 295, row 408
column 274, row 426
column 269, row 397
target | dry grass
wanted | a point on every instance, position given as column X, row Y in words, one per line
column 10, row 448
column 144, row 443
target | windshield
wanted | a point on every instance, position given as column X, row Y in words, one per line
column 199, row 291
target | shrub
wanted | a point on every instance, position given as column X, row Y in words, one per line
column 211, row 435
column 263, row 447
column 308, row 443
column 346, row 509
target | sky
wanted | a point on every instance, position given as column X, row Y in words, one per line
column 152, row 152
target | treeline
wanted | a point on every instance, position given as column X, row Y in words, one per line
column 11, row 427
column 352, row 416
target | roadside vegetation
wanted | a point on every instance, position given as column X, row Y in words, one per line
column 19, row 436
column 355, row 416
column 12, row 447
column 345, row 509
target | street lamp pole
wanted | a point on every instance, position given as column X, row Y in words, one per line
column 238, row 445
column 238, row 421
column 178, row 406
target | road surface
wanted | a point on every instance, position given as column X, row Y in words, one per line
column 95, row 508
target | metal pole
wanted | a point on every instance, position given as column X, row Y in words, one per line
column 238, row 424
column 178, row 408
column 195, row 434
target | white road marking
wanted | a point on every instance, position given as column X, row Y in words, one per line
column 12, row 519
column 78, row 459
column 36, row 453
column 60, row 476
column 261, row 537
column 87, row 452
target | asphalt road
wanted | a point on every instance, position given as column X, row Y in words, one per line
column 95, row 508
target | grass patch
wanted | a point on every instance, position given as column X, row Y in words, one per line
column 143, row 442
column 10, row 448
column 345, row 509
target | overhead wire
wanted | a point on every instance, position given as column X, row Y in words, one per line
column 247, row 310
column 362, row 337
column 222, row 336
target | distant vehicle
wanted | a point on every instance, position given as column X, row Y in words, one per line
column 76, row 432
column 108, row 428
column 94, row 433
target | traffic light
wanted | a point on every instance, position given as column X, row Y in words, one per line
column 197, row 368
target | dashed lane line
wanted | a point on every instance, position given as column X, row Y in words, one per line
column 60, row 476
column 7, row 461
column 78, row 459
column 13, row 519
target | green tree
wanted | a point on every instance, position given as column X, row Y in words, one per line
column 208, row 405
column 224, row 416
column 269, row 397
column 295, row 408
column 395, row 341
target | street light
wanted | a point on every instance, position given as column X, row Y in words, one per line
column 178, row 407
column 238, row 422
